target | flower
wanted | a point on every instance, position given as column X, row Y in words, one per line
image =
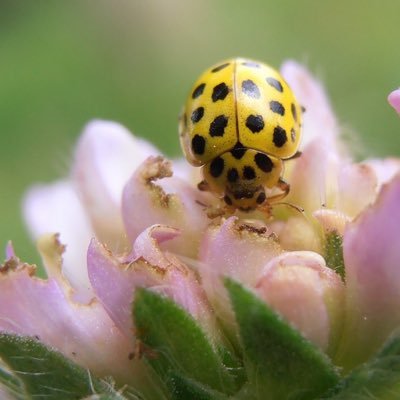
column 131, row 219
column 394, row 100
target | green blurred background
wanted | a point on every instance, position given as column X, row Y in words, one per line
column 63, row 63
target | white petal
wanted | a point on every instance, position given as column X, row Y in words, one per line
column 56, row 208
column 106, row 156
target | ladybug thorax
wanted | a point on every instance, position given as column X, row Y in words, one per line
column 240, row 176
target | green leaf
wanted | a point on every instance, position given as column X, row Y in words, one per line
column 30, row 370
column 184, row 388
column 281, row 363
column 334, row 253
column 176, row 345
column 376, row 379
column 10, row 383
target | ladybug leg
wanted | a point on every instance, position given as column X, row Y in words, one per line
column 216, row 210
column 203, row 186
column 284, row 186
column 295, row 155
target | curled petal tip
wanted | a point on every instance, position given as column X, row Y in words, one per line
column 331, row 220
column 394, row 100
column 306, row 292
column 147, row 245
column 10, row 253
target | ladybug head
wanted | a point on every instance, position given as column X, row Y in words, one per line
column 245, row 198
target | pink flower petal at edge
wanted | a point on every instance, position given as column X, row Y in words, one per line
column 105, row 157
column 394, row 100
column 306, row 292
column 357, row 188
column 56, row 208
column 147, row 244
column 318, row 119
column 372, row 257
column 114, row 281
column 170, row 201
column 314, row 176
column 40, row 308
column 237, row 250
column 10, row 253
column 332, row 221
column 385, row 170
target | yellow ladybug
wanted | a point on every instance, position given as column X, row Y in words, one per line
column 240, row 121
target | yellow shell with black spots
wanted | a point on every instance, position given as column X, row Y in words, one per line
column 240, row 121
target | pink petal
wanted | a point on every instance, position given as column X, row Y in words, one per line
column 10, row 253
column 319, row 120
column 394, row 100
column 171, row 201
column 298, row 233
column 146, row 245
column 114, row 281
column 357, row 188
column 236, row 249
column 332, row 220
column 84, row 333
column 306, row 292
column 56, row 208
column 183, row 170
column 372, row 258
column 106, row 156
column 314, row 177
column 385, row 169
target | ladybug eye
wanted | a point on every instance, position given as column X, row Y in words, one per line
column 228, row 200
column 261, row 198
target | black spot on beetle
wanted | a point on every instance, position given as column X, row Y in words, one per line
column 263, row 162
column 250, row 89
column 218, row 125
column 217, row 167
column 220, row 92
column 275, row 84
column 249, row 173
column 232, row 175
column 277, row 107
column 222, row 66
column 198, row 144
column 293, row 135
column 279, row 137
column 198, row 91
column 251, row 64
column 197, row 114
column 294, row 112
column 255, row 123
column 238, row 151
